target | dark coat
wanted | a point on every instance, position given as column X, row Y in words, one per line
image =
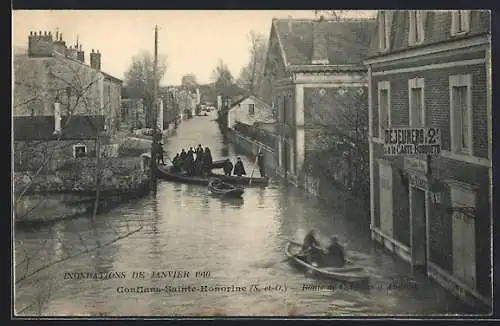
column 335, row 255
column 239, row 169
column 309, row 241
column 228, row 167
column 260, row 160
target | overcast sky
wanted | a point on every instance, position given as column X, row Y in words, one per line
column 192, row 40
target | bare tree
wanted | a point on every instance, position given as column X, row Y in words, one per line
column 332, row 14
column 251, row 75
column 189, row 82
column 38, row 84
column 341, row 141
column 140, row 78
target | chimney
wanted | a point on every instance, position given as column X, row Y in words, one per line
column 320, row 53
column 80, row 54
column 71, row 53
column 59, row 44
column 57, row 117
column 290, row 24
column 95, row 60
column 40, row 45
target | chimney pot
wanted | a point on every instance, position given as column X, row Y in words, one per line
column 40, row 33
column 60, row 36
column 92, row 50
column 57, row 36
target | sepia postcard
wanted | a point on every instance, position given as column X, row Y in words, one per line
column 196, row 163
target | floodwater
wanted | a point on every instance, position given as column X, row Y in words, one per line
column 221, row 248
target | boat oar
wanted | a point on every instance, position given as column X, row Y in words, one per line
column 253, row 170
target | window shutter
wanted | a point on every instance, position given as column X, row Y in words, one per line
column 466, row 20
column 388, row 28
column 381, row 32
column 454, row 22
column 421, row 21
column 411, row 30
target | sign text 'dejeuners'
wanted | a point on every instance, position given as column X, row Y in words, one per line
column 412, row 141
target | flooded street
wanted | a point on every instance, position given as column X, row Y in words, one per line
column 230, row 242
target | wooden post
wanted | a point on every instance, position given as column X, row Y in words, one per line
column 98, row 177
column 155, row 115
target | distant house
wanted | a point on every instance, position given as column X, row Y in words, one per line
column 433, row 69
column 314, row 70
column 249, row 110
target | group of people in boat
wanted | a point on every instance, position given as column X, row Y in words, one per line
column 312, row 252
column 193, row 162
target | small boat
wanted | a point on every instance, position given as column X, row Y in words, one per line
column 219, row 164
column 221, row 188
column 166, row 174
column 349, row 273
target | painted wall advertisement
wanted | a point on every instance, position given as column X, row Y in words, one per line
column 412, row 141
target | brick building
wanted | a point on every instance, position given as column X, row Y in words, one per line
column 314, row 73
column 433, row 69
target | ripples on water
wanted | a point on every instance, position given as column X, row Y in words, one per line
column 239, row 242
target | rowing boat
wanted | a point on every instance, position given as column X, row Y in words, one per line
column 166, row 174
column 221, row 188
column 348, row 273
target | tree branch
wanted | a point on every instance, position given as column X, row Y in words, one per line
column 76, row 255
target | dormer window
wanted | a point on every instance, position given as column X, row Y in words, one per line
column 416, row 30
column 460, row 22
column 384, row 28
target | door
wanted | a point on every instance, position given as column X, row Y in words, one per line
column 418, row 228
column 285, row 156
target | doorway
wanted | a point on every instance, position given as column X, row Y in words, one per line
column 285, row 155
column 418, row 231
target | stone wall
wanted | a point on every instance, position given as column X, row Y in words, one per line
column 79, row 175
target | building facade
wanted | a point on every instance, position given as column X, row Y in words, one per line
column 59, row 99
column 52, row 72
column 249, row 110
column 433, row 69
column 314, row 72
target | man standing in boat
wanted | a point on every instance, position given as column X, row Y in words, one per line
column 189, row 162
column 207, row 161
column 199, row 152
column 260, row 163
column 228, row 167
column 239, row 169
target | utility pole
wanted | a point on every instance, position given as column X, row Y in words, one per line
column 154, row 110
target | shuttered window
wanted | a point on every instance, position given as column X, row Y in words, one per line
column 463, row 229
column 460, row 22
column 384, row 104
column 416, row 102
column 461, row 114
column 416, row 21
column 386, row 198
